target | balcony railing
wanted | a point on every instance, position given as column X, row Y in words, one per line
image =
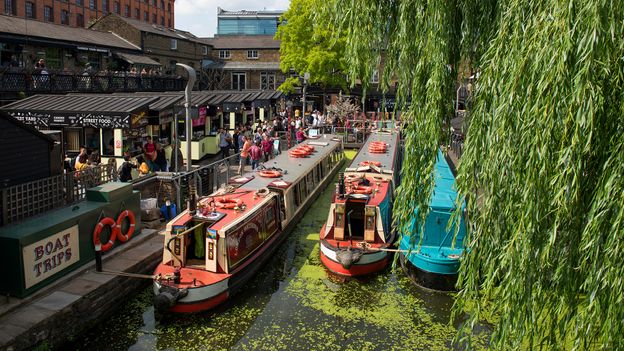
column 63, row 82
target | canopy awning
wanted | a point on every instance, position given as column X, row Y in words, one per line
column 137, row 59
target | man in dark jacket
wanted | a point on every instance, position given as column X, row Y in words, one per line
column 125, row 171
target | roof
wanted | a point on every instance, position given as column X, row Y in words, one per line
column 247, row 13
column 387, row 162
column 54, row 32
column 156, row 29
column 254, row 66
column 26, row 127
column 82, row 103
column 137, row 59
column 444, row 191
column 241, row 42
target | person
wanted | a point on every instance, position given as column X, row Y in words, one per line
column 83, row 151
column 125, row 170
column 82, row 162
column 258, row 135
column 255, row 152
column 150, row 152
column 160, row 163
column 267, row 147
column 244, row 154
column 235, row 144
column 173, row 167
column 94, row 158
column 224, row 142
column 300, row 135
column 143, row 167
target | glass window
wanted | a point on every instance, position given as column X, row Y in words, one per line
column 247, row 26
column 117, row 7
column 48, row 14
column 137, row 13
column 162, row 4
column 174, row 44
column 238, row 81
column 145, row 16
column 105, row 6
column 73, row 139
column 108, row 141
column 252, row 54
column 79, row 3
column 10, row 7
column 267, row 80
column 162, row 20
column 93, row 4
column 205, row 50
column 95, row 60
column 224, row 54
column 127, row 10
column 64, row 17
column 154, row 18
column 169, row 7
column 30, row 10
column 53, row 57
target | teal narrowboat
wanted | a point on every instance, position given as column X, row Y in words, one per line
column 434, row 261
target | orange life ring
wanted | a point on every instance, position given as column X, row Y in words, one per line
column 359, row 189
column 270, row 174
column 308, row 148
column 230, row 204
column 297, row 153
column 368, row 163
column 106, row 221
column 377, row 150
column 125, row 237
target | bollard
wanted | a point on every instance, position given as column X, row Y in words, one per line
column 98, row 258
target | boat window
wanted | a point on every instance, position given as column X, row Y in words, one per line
column 296, row 195
column 319, row 172
column 309, row 183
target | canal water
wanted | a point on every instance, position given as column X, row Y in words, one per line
column 294, row 304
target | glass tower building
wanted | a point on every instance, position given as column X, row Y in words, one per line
column 247, row 22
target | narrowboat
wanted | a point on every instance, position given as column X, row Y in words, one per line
column 358, row 229
column 433, row 262
column 208, row 255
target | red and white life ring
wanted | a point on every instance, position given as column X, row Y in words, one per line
column 106, row 221
column 270, row 174
column 298, row 153
column 125, row 237
column 368, row 163
column 230, row 204
column 359, row 189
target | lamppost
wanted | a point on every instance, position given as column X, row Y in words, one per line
column 288, row 132
column 306, row 77
column 187, row 106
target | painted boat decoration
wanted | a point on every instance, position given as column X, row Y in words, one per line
column 209, row 255
column 435, row 263
column 358, row 226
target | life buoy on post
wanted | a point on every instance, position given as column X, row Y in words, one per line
column 125, row 237
column 106, row 221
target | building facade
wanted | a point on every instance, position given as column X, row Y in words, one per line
column 245, row 22
column 168, row 46
column 81, row 13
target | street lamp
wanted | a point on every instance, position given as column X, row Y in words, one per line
column 187, row 106
column 288, row 129
column 306, row 77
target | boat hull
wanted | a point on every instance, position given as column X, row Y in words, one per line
column 369, row 263
column 426, row 278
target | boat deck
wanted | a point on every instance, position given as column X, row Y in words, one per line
column 387, row 160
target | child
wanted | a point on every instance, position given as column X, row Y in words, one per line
column 256, row 154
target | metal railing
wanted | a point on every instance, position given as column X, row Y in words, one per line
column 31, row 83
column 25, row 200
column 457, row 144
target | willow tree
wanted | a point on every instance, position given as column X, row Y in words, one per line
column 543, row 166
column 310, row 44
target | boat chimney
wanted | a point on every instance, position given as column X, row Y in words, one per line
column 341, row 184
column 192, row 197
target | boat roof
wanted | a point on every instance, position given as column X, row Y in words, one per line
column 387, row 163
column 295, row 167
column 445, row 191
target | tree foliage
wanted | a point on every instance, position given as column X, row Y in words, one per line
column 310, row 43
column 544, row 153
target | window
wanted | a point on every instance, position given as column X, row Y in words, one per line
column 224, row 54
column 204, row 50
column 252, row 54
column 137, row 13
column 48, row 14
column 94, row 60
column 162, row 4
column 127, row 10
column 267, row 80
column 375, row 77
column 169, row 23
column 79, row 3
column 79, row 20
column 93, row 4
column 117, row 8
column 238, row 81
column 30, row 10
column 53, row 58
column 174, row 44
column 64, row 17
column 105, row 6
column 169, row 7
column 162, row 21
column 154, row 18
column 154, row 2
column 10, row 7
column 145, row 16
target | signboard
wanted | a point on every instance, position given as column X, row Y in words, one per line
column 139, row 120
column 95, row 120
column 49, row 256
column 245, row 239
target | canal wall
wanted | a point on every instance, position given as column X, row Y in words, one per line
column 79, row 301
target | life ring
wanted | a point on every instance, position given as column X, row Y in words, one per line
column 270, row 174
column 308, row 148
column 368, row 163
column 125, row 237
column 297, row 153
column 377, row 150
column 230, row 204
column 378, row 143
column 106, row 221
column 359, row 189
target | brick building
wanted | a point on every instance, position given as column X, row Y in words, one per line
column 167, row 46
column 81, row 13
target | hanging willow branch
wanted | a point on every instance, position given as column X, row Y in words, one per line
column 544, row 154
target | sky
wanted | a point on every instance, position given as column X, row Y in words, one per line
column 200, row 16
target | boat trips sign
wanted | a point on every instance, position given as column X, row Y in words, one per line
column 49, row 256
